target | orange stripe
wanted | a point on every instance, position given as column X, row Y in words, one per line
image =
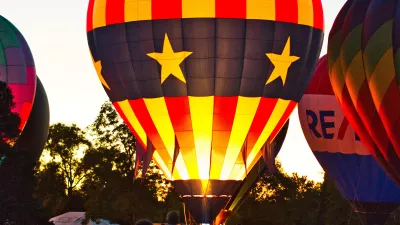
column 160, row 163
column 201, row 114
column 120, row 11
column 158, row 111
column 224, row 114
column 305, row 12
column 179, row 113
column 123, row 116
column 99, row 13
column 242, row 173
column 198, row 8
column 140, row 110
column 261, row 118
column 273, row 120
column 239, row 164
column 318, row 15
column 89, row 16
column 283, row 120
column 115, row 12
column 137, row 10
column 245, row 111
column 260, row 9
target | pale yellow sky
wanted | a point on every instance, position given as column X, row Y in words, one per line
column 56, row 32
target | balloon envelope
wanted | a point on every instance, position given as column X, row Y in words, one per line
column 17, row 69
column 355, row 172
column 364, row 71
column 33, row 139
column 204, row 85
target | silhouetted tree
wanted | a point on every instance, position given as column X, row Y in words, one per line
column 110, row 190
column 9, row 121
column 337, row 210
column 110, row 132
column 280, row 199
column 64, row 144
column 50, row 189
column 17, row 181
column 58, row 180
column 111, row 194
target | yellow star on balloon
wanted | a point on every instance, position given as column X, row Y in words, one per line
column 170, row 61
column 98, row 67
column 281, row 63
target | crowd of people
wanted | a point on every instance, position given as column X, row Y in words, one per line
column 172, row 219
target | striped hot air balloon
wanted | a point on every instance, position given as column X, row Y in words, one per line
column 355, row 172
column 17, row 69
column 203, row 84
column 364, row 71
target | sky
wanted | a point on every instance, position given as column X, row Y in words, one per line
column 56, row 33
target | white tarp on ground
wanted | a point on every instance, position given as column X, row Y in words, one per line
column 76, row 218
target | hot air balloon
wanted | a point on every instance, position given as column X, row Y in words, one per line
column 264, row 165
column 204, row 84
column 17, row 69
column 33, row 139
column 355, row 172
column 363, row 68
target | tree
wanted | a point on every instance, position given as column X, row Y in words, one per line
column 280, row 199
column 111, row 194
column 50, row 189
column 64, row 145
column 292, row 200
column 9, row 121
column 17, row 205
column 110, row 132
column 10, row 164
column 59, row 180
column 110, row 190
column 338, row 210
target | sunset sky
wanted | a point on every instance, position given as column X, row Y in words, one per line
column 56, row 34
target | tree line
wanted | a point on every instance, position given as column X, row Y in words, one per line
column 91, row 170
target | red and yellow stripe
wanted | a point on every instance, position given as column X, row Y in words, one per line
column 246, row 109
column 224, row 115
column 179, row 114
column 106, row 12
column 212, row 132
column 271, row 112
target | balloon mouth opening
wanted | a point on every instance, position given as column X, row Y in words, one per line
column 205, row 196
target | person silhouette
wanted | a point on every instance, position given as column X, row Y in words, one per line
column 172, row 218
column 144, row 222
